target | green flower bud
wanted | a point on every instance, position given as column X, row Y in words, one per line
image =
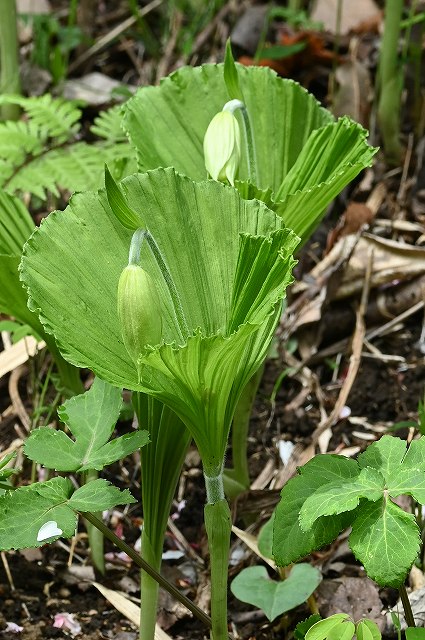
column 222, row 147
column 138, row 310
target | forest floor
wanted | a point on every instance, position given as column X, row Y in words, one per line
column 354, row 367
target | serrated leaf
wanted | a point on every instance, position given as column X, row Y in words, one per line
column 25, row 510
column 302, row 627
column 337, row 497
column 254, row 586
column 367, row 630
column 290, row 542
column 385, row 455
column 321, row 629
column 99, row 495
column 386, row 541
column 91, row 418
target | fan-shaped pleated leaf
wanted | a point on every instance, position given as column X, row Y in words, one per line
column 72, row 265
column 283, row 115
column 303, row 155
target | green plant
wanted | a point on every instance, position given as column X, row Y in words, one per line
column 341, row 627
column 254, row 586
column 219, row 301
column 332, row 493
column 43, row 154
column 9, row 58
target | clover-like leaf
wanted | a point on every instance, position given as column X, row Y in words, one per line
column 385, row 455
column 386, row 541
column 337, row 497
column 44, row 511
column 290, row 542
column 91, row 418
column 254, row 586
column 367, row 630
column 230, row 261
column 334, row 624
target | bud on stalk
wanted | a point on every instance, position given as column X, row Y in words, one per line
column 222, row 146
column 138, row 311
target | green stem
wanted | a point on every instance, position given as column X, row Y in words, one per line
column 408, row 613
column 9, row 58
column 134, row 258
column 218, row 526
column 390, row 81
column 161, row 463
column 95, row 535
column 251, row 155
column 149, row 590
column 240, row 428
column 201, row 615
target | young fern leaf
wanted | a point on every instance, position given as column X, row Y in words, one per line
column 43, row 154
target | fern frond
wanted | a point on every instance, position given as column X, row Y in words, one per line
column 107, row 125
column 59, row 117
column 78, row 167
column 16, row 225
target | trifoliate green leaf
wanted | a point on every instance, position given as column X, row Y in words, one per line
column 91, row 418
column 385, row 455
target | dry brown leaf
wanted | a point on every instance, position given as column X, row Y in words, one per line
column 19, row 353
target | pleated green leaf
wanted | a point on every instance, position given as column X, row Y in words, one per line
column 303, row 155
column 283, row 116
column 230, row 261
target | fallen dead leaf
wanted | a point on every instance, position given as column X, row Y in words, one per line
column 352, row 14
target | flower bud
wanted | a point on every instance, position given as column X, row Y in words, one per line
column 222, row 147
column 138, row 310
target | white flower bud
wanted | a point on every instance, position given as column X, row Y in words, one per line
column 222, row 147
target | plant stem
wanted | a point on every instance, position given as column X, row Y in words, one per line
column 94, row 534
column 201, row 615
column 149, row 589
column 218, row 526
column 9, row 58
column 240, row 427
column 408, row 613
column 251, row 155
column 390, row 81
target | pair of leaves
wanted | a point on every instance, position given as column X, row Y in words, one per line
column 341, row 627
column 29, row 514
column 254, row 586
column 91, row 418
column 332, row 492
